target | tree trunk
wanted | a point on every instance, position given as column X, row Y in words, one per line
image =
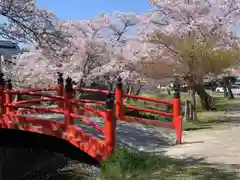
column 138, row 90
column 169, row 91
column 229, row 90
column 186, row 110
column 207, row 101
column 225, row 88
column 193, row 115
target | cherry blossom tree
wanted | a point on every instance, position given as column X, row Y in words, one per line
column 96, row 52
column 72, row 59
column 206, row 20
column 209, row 18
column 24, row 22
column 194, row 60
column 122, row 38
column 193, row 22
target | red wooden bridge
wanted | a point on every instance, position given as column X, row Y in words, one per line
column 19, row 120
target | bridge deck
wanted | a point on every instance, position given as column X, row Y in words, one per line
column 138, row 136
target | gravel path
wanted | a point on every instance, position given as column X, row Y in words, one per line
column 130, row 135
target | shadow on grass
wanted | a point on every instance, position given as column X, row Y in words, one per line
column 223, row 103
column 235, row 120
column 187, row 125
column 192, row 126
column 141, row 165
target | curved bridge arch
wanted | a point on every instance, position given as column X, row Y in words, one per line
column 25, row 139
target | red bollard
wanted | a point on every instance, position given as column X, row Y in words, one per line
column 177, row 120
column 110, row 126
column 60, row 89
column 8, row 96
column 119, row 99
column 68, row 105
column 2, row 95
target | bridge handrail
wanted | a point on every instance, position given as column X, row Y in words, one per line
column 32, row 93
column 91, row 90
column 120, row 107
column 175, row 102
column 66, row 102
column 150, row 111
column 66, row 105
column 147, row 99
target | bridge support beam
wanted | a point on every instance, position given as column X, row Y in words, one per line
column 110, row 125
column 2, row 95
column 119, row 99
column 60, row 88
column 177, row 119
column 8, row 96
column 68, row 105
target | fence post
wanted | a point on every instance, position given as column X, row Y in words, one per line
column 119, row 99
column 177, row 119
column 110, row 125
column 2, row 95
column 60, row 88
column 8, row 96
column 68, row 105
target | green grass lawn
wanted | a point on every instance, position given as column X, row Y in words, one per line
column 138, row 165
column 212, row 119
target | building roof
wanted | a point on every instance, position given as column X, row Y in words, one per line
column 9, row 49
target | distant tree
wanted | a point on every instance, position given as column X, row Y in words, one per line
column 210, row 19
column 180, row 32
column 189, row 59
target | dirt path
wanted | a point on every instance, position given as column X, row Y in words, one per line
column 215, row 146
column 219, row 149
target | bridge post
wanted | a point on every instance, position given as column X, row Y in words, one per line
column 177, row 119
column 2, row 95
column 110, row 124
column 60, row 88
column 119, row 99
column 68, row 105
column 8, row 96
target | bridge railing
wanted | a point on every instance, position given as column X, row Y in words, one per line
column 176, row 123
column 66, row 104
column 121, row 108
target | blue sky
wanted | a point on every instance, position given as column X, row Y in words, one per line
column 80, row 9
column 88, row 9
